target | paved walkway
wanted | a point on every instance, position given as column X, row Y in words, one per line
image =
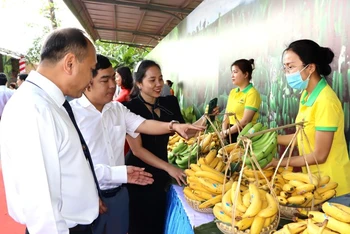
column 7, row 224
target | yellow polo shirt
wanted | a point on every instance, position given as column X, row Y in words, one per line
column 323, row 112
column 239, row 100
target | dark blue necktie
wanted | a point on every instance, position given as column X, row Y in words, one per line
column 83, row 144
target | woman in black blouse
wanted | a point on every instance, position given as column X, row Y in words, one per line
column 148, row 203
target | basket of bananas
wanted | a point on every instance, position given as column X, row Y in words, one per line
column 256, row 211
column 299, row 191
column 206, row 181
column 296, row 193
column 247, row 208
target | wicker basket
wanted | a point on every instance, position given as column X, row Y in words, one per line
column 287, row 212
column 227, row 229
column 194, row 204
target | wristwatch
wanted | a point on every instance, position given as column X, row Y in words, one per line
column 171, row 123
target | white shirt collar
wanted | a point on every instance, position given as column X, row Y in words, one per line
column 85, row 102
column 48, row 86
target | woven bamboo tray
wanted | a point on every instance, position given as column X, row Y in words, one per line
column 227, row 229
column 194, row 204
column 287, row 212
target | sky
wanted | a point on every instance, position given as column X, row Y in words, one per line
column 21, row 22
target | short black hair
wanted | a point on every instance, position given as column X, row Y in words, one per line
column 310, row 52
column 127, row 80
column 102, row 63
column 22, row 76
column 3, row 78
column 62, row 41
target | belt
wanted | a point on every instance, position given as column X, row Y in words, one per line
column 111, row 192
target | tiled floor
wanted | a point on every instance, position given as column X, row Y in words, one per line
column 7, row 225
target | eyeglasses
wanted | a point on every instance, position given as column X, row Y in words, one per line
column 290, row 69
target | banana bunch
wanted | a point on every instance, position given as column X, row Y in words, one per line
column 264, row 145
column 335, row 219
column 297, row 189
column 208, row 141
column 182, row 153
column 251, row 176
column 253, row 208
column 206, row 181
column 176, row 139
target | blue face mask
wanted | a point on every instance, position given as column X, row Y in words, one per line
column 295, row 80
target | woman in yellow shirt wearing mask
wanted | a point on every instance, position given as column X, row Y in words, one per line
column 306, row 65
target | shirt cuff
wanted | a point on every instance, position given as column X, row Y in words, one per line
column 119, row 174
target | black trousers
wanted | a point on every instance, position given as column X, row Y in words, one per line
column 79, row 229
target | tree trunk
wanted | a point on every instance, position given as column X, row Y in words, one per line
column 52, row 14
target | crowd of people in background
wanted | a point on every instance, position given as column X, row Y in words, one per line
column 72, row 170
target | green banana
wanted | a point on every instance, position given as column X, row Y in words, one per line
column 171, row 157
column 263, row 141
column 245, row 129
column 187, row 150
column 255, row 128
column 255, row 138
column 179, row 148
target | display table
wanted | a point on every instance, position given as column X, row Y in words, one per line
column 181, row 218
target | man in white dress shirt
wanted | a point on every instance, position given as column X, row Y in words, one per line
column 5, row 93
column 49, row 184
column 104, row 125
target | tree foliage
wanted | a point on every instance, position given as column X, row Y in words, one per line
column 121, row 55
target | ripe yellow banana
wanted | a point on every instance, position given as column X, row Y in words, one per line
column 212, row 170
column 313, row 228
column 189, row 172
column 214, row 162
column 239, row 204
column 282, row 200
column 295, row 228
column 326, row 187
column 302, row 177
column 226, row 203
column 288, row 188
column 305, row 188
column 325, row 196
column 284, row 194
column 342, row 207
column 296, row 200
column 210, row 175
column 324, row 180
column 200, row 161
column 271, row 209
column 332, row 224
column 188, row 193
column 246, row 199
column 174, row 140
column 227, row 148
column 308, row 196
column 211, row 202
column 296, row 183
column 244, row 223
column 331, row 210
column 219, row 166
column 257, row 225
column 192, row 179
column 198, row 187
column 220, row 214
column 251, row 173
column 195, row 167
column 202, row 194
column 279, row 179
column 255, row 202
column 206, row 141
column 210, row 156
